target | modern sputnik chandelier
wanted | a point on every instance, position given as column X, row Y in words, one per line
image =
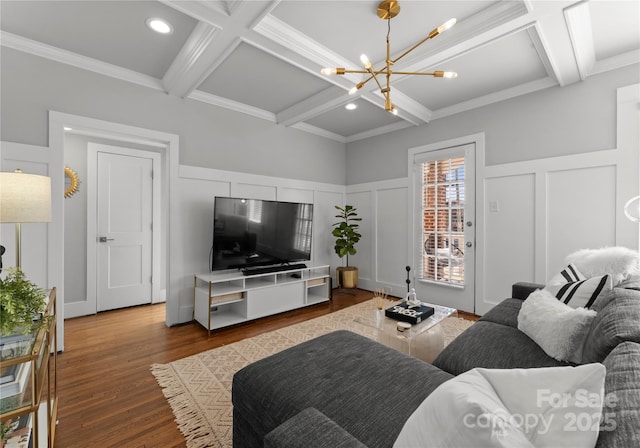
column 387, row 10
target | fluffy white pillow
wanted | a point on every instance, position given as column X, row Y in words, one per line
column 582, row 293
column 557, row 328
column 619, row 262
column 544, row 407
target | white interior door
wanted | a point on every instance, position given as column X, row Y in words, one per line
column 124, row 230
column 443, row 216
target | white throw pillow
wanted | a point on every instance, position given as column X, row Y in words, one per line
column 582, row 293
column 567, row 275
column 557, row 328
column 619, row 262
column 543, row 407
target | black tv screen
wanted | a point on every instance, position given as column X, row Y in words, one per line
column 253, row 232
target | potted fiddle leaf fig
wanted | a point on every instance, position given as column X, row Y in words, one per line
column 21, row 304
column 347, row 235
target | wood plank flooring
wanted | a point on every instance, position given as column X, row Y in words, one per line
column 108, row 397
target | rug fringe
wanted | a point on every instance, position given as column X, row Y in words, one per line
column 190, row 422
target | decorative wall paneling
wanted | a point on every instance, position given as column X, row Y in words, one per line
column 199, row 186
column 382, row 252
column 40, row 247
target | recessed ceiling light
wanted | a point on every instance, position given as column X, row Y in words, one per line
column 351, row 106
column 159, row 26
column 66, row 128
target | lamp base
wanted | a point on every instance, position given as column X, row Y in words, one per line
column 388, row 9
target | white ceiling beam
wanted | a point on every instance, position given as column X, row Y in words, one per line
column 496, row 21
column 555, row 39
column 210, row 43
column 312, row 106
column 183, row 72
column 578, row 18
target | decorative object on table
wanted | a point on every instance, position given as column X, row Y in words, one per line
column 379, row 296
column 403, row 326
column 408, row 313
column 346, row 233
column 412, row 299
column 24, row 198
column 408, row 280
column 21, row 301
column 71, row 182
column 387, row 10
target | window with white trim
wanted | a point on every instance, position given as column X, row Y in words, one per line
column 443, row 199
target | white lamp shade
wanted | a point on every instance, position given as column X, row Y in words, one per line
column 25, row 198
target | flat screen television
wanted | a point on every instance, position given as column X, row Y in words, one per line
column 254, row 232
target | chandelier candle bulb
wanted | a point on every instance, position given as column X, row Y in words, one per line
column 365, row 61
column 388, row 9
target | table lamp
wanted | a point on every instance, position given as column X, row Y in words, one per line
column 24, row 198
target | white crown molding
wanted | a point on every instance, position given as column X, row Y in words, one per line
column 181, row 75
column 495, row 97
column 310, row 129
column 83, row 62
column 616, row 62
column 215, row 100
column 578, row 19
column 379, row 131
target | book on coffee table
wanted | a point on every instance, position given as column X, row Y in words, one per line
column 407, row 313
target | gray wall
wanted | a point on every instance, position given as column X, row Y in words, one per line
column 209, row 136
column 552, row 122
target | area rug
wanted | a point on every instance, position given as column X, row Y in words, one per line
column 198, row 388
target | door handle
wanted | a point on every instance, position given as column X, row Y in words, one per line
column 104, row 239
column 468, row 244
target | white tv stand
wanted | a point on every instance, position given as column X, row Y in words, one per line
column 223, row 299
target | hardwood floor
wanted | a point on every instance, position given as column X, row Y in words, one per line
column 108, row 397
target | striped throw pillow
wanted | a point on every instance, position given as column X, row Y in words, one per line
column 569, row 274
column 582, row 293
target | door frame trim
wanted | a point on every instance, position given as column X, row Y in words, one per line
column 169, row 145
column 478, row 140
column 92, row 180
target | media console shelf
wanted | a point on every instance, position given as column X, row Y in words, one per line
column 223, row 299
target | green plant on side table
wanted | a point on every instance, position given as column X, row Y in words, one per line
column 21, row 304
column 347, row 235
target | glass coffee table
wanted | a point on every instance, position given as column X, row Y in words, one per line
column 424, row 340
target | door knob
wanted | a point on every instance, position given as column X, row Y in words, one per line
column 468, row 244
column 104, row 239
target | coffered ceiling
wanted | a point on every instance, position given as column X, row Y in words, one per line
column 263, row 58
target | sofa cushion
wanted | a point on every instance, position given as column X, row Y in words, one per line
column 558, row 329
column 510, row 407
column 356, row 382
column 311, row 429
column 617, row 321
column 493, row 346
column 505, row 313
column 620, row 426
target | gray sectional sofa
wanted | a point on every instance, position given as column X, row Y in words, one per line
column 344, row 390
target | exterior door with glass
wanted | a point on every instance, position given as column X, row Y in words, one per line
column 443, row 211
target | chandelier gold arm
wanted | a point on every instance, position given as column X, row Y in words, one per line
column 388, row 9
